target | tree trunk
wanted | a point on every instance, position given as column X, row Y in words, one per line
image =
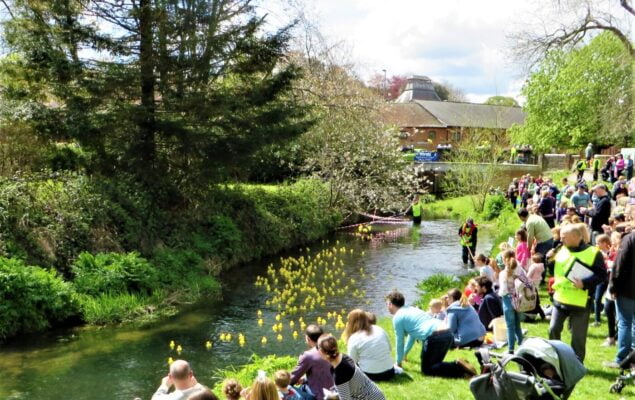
column 145, row 144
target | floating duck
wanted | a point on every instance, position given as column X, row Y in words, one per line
column 263, row 340
column 280, row 338
column 170, row 360
column 260, row 322
column 179, row 349
column 172, row 344
column 208, row 345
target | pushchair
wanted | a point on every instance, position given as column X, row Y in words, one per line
column 627, row 373
column 547, row 370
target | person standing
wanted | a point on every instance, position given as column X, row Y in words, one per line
column 600, row 212
column 468, row 234
column 512, row 192
column 434, row 333
column 572, row 292
column 620, row 165
column 416, row 209
column 596, row 168
column 581, row 198
column 580, row 167
column 506, row 290
column 629, row 167
column 547, row 207
column 622, row 288
column 588, row 152
column 538, row 231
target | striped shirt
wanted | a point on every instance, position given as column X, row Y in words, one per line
column 353, row 384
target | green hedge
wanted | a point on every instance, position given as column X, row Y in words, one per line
column 33, row 298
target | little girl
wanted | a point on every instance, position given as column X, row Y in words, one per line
column 522, row 250
column 534, row 274
column 232, row 389
column 471, row 292
column 506, row 290
column 484, row 267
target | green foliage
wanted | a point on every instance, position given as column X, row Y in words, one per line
column 494, row 205
column 248, row 373
column 502, row 101
column 437, row 285
column 111, row 308
column 33, row 298
column 114, row 273
column 581, row 96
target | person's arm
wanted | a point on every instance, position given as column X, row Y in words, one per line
column 622, row 261
column 453, row 324
column 399, row 338
column 164, row 388
column 599, row 273
column 353, row 350
column 530, row 232
column 300, row 369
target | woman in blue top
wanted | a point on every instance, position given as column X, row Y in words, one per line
column 463, row 321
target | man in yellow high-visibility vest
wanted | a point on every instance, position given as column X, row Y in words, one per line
column 579, row 268
column 416, row 209
column 468, row 234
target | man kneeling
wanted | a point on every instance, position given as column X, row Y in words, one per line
column 433, row 333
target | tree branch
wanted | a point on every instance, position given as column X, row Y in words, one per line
column 8, row 9
column 627, row 7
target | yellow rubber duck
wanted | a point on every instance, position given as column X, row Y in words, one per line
column 263, row 340
column 172, row 344
column 208, row 345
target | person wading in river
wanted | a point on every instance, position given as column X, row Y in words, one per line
column 467, row 233
column 415, row 209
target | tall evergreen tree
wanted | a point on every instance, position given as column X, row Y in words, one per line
column 172, row 91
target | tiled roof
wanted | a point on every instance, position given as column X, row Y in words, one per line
column 473, row 115
column 409, row 115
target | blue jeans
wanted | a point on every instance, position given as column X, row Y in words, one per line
column 625, row 308
column 512, row 319
column 598, row 303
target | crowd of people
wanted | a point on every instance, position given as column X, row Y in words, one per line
column 573, row 239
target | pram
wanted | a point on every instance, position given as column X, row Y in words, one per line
column 548, row 370
column 627, row 373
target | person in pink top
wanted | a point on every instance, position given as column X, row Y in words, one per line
column 534, row 273
column 522, row 249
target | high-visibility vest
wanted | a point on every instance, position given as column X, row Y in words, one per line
column 416, row 209
column 596, row 163
column 565, row 290
column 466, row 235
column 581, row 166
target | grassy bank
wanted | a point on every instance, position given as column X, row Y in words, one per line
column 414, row 386
column 74, row 249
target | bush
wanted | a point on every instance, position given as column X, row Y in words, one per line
column 33, row 298
column 494, row 206
column 114, row 273
column 186, row 272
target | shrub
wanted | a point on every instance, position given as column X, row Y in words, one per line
column 110, row 308
column 494, row 205
column 33, row 298
column 114, row 273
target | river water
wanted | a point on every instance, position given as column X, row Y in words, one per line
column 127, row 362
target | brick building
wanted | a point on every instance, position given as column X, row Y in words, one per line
column 425, row 122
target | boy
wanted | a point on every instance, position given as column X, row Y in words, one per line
column 286, row 392
column 436, row 309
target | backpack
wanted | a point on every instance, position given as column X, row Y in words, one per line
column 525, row 296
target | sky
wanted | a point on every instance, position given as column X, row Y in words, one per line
column 463, row 42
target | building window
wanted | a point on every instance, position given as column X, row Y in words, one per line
column 403, row 135
column 432, row 135
column 456, row 136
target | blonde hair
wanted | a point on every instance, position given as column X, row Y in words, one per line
column 504, row 246
column 603, row 238
column 435, row 303
column 580, row 230
column 282, row 378
column 232, row 389
column 356, row 321
column 263, row 389
column 509, row 257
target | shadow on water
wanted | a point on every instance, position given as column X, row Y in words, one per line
column 129, row 361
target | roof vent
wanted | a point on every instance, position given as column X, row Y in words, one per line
column 418, row 87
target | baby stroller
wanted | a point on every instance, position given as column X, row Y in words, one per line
column 547, row 370
column 627, row 373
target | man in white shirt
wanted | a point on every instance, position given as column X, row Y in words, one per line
column 182, row 378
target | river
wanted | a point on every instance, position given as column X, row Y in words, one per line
column 129, row 361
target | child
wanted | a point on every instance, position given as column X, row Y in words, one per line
column 506, row 290
column 484, row 268
column 603, row 243
column 522, row 250
column 562, row 210
column 436, row 309
column 286, row 392
column 471, row 292
column 232, row 389
column 534, row 274
column 502, row 248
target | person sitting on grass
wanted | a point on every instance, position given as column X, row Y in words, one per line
column 436, row 309
column 318, row 371
column 285, row 391
column 181, row 377
column 350, row 381
column 369, row 346
column 463, row 321
column 435, row 335
column 491, row 307
column 263, row 388
column 204, row 394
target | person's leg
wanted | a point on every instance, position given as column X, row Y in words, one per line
column 382, row 376
column 432, row 354
column 544, row 247
column 473, row 344
column 464, row 255
column 625, row 308
column 471, row 255
column 609, row 310
column 510, row 320
column 579, row 326
column 598, row 304
column 558, row 316
column 518, row 330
